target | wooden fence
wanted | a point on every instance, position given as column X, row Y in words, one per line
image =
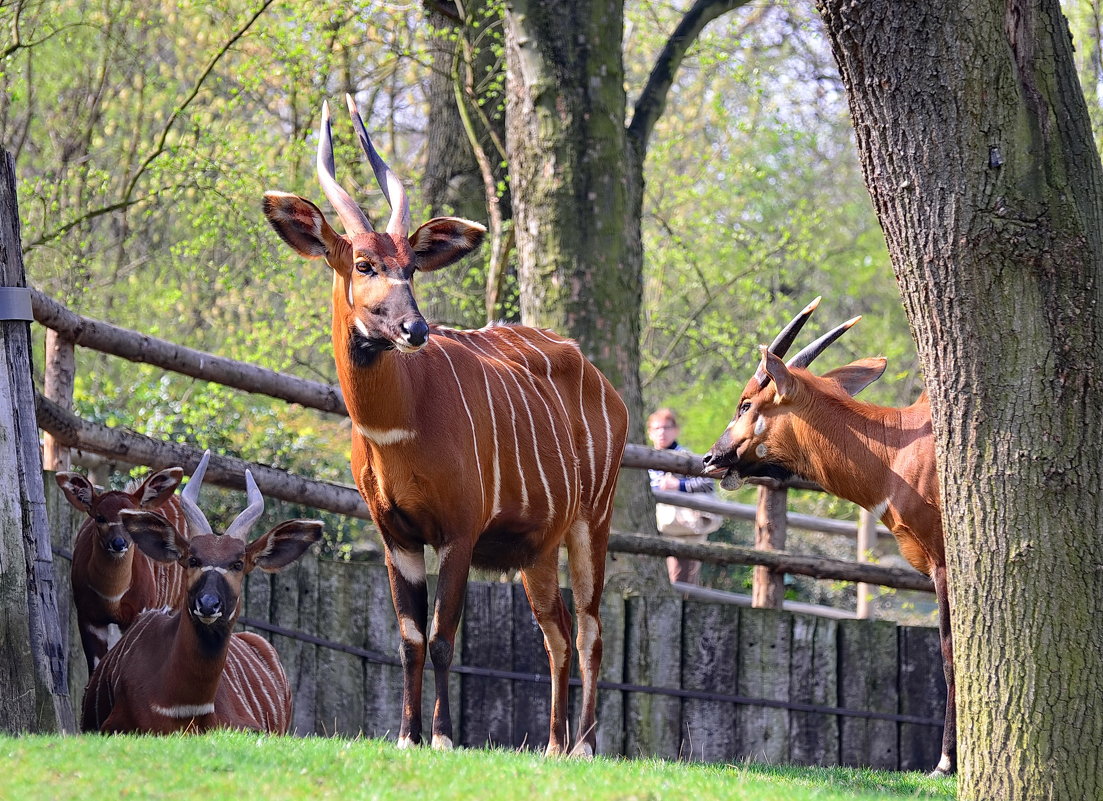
column 680, row 679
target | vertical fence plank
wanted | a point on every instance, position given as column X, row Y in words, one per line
column 531, row 701
column 382, row 691
column 653, row 657
column 813, row 679
column 487, row 642
column 342, row 617
column 291, row 609
column 57, row 385
column 611, row 733
column 710, row 648
column 64, row 524
column 923, row 693
column 765, row 645
column 867, row 681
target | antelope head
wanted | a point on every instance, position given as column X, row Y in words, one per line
column 372, row 270
column 762, row 439
column 104, row 508
column 216, row 564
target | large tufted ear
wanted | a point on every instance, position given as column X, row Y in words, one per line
column 282, row 545
column 445, row 240
column 302, row 225
column 158, row 487
column 77, row 489
column 787, row 386
column 156, row 537
column 856, row 376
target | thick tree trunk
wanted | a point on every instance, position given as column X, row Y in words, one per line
column 978, row 155
column 576, row 220
column 34, row 695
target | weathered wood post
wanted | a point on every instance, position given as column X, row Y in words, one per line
column 61, row 368
column 768, row 586
column 34, row 695
column 867, row 539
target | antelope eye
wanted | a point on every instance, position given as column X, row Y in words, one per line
column 364, row 267
column 193, row 562
column 101, row 519
column 237, row 566
column 744, row 407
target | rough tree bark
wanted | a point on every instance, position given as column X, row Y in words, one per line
column 977, row 151
column 577, row 184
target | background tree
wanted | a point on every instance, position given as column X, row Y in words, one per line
column 977, row 149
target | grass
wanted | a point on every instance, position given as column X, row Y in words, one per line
column 234, row 765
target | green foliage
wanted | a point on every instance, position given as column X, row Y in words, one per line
column 239, row 764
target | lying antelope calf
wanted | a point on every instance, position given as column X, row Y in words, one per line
column 111, row 582
column 185, row 669
column 789, row 421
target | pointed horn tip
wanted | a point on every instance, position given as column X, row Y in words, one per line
column 325, row 110
column 852, row 321
column 351, row 103
column 811, row 307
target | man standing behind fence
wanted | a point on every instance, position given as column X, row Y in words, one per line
column 687, row 525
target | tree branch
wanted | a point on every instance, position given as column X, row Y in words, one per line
column 652, row 101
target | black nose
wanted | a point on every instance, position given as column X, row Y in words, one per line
column 117, row 545
column 208, row 605
column 416, row 331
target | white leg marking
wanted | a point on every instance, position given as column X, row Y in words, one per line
column 442, row 743
column 408, row 630
column 409, row 564
column 404, row 743
column 878, row 512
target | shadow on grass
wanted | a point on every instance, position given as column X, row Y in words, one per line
column 910, row 784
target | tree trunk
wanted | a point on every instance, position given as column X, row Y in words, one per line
column 578, row 238
column 977, row 151
column 34, row 694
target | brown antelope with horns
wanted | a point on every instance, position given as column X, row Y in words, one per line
column 185, row 669
column 112, row 582
column 494, row 446
column 790, row 421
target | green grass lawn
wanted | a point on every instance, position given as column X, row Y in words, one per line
column 229, row 765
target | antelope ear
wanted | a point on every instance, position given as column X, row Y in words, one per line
column 282, row 545
column 445, row 240
column 784, row 382
column 856, row 376
column 158, row 487
column 301, row 225
column 155, row 536
column 77, row 489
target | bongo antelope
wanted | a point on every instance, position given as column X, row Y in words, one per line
column 494, row 447
column 111, row 582
column 789, row 421
column 185, row 669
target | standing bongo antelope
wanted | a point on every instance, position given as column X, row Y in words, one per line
column 493, row 446
column 880, row 458
column 111, row 582
column 185, row 669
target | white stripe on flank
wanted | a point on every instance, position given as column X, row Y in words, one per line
column 470, row 420
column 184, row 710
column 499, row 366
column 386, row 436
column 523, row 395
column 569, row 486
column 496, row 470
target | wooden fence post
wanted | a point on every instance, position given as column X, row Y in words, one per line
column 61, row 368
column 768, row 586
column 34, row 695
column 867, row 539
